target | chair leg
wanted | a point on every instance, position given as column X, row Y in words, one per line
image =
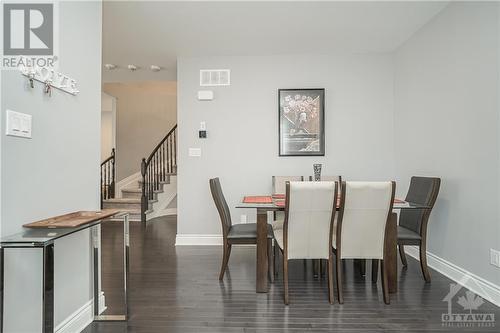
column 270, row 260
column 402, row 255
column 374, row 270
column 362, row 266
column 423, row 263
column 330, row 279
column 385, row 285
column 275, row 272
column 285, row 279
column 225, row 259
column 315, row 263
column 322, row 266
column 338, row 271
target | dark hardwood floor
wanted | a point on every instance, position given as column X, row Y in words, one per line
column 176, row 289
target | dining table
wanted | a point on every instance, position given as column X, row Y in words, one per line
column 276, row 202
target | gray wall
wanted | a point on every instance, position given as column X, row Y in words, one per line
column 55, row 172
column 242, row 123
column 447, row 124
column 145, row 112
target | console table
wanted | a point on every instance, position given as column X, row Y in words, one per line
column 42, row 235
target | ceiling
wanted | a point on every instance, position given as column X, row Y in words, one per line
column 147, row 33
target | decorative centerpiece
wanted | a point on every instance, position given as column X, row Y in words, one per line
column 317, row 172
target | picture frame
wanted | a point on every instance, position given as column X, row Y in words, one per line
column 301, row 122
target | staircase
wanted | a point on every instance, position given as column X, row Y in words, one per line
column 152, row 191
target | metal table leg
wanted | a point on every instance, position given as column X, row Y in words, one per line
column 48, row 289
column 126, row 245
column 1, row 287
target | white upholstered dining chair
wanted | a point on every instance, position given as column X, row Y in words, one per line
column 279, row 187
column 307, row 230
column 318, row 265
column 279, row 183
column 360, row 229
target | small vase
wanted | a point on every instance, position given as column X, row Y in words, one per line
column 317, row 172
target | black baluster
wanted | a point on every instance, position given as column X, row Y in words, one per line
column 175, row 150
column 105, row 182
column 102, row 198
column 143, row 196
column 157, row 175
column 169, row 155
column 113, row 172
column 163, row 161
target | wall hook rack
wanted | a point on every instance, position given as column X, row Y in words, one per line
column 48, row 77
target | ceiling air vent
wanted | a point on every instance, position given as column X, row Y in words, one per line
column 215, row 77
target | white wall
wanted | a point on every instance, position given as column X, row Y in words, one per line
column 55, row 172
column 447, row 125
column 242, row 123
column 108, row 125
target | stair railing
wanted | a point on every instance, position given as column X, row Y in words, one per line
column 108, row 178
column 157, row 167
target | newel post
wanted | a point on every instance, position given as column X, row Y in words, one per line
column 144, row 199
column 113, row 173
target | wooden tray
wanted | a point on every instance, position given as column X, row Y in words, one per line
column 73, row 220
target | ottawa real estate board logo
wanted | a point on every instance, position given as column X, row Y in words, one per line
column 464, row 308
column 28, row 34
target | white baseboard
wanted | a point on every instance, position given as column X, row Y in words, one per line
column 476, row 284
column 194, row 239
column 81, row 318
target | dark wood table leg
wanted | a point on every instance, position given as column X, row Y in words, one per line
column 2, row 257
column 262, row 264
column 48, row 289
column 391, row 254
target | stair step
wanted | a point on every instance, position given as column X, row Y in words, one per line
column 123, row 201
column 138, row 190
column 161, row 182
column 134, row 215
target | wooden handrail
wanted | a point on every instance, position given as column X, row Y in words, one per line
column 108, row 179
column 157, row 167
column 159, row 144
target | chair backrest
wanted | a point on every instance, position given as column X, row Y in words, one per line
column 327, row 179
column 279, row 183
column 423, row 190
column 221, row 204
column 365, row 208
column 309, row 215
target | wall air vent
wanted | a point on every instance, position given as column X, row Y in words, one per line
column 215, row 77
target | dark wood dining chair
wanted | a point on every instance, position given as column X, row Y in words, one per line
column 412, row 229
column 244, row 233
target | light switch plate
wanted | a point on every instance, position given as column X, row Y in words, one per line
column 195, row 152
column 205, row 95
column 18, row 124
column 495, row 257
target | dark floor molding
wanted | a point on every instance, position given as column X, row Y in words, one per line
column 476, row 284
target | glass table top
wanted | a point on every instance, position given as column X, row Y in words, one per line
column 398, row 204
column 38, row 237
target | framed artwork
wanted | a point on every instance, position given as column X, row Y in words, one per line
column 301, row 122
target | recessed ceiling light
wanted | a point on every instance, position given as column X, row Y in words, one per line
column 110, row 66
column 155, row 68
column 132, row 67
